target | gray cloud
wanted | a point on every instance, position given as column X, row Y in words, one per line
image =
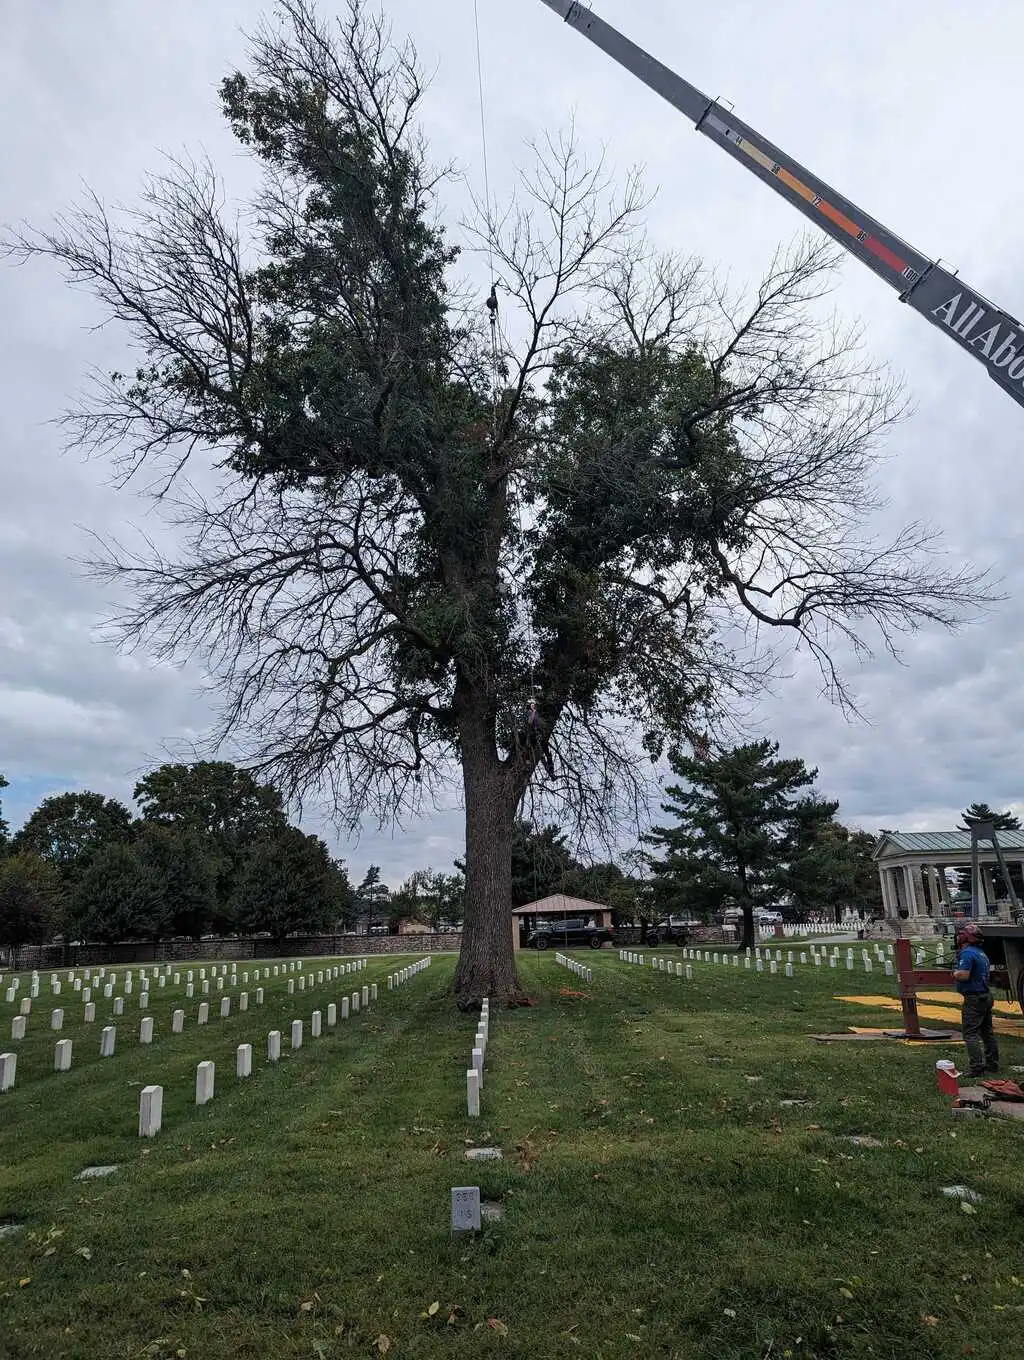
column 878, row 99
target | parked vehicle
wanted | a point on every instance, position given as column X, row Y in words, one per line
column 572, row 934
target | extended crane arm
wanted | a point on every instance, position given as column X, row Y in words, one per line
column 987, row 332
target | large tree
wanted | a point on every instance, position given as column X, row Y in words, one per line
column 67, row 828
column 831, row 869
column 31, row 900
column 287, row 884
column 3, row 824
column 223, row 809
column 120, row 895
column 740, row 819
column 423, row 524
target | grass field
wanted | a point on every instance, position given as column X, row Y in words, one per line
column 662, row 1195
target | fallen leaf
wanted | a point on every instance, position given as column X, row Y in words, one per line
column 967, row 1208
column 846, row 1294
column 929, row 1320
column 496, row 1325
column 434, row 1308
column 84, row 1252
column 23, row 1282
column 383, row 1343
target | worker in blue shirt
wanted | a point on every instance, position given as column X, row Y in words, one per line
column 972, row 975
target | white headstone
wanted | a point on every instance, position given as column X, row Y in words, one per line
column 259, row 996
column 365, row 996
column 18, row 1027
column 355, row 1002
column 146, row 1030
column 206, row 987
column 90, row 1012
column 8, row 1068
column 190, row 991
column 205, row 1076
column 204, row 1012
column 243, row 1001
column 143, row 1001
column 26, row 1005
column 315, row 1025
column 274, row 1045
column 62, row 1056
column 465, row 1208
column 119, row 1005
column 57, row 1019
column 177, row 1022
column 473, row 1092
column 332, row 1015
column 243, row 1060
column 344, row 1008
column 151, row 1111
column 108, row 1036
column 373, row 991
column 291, row 986
column 296, row 1034
column 225, row 1007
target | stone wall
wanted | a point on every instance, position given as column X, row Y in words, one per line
column 231, row 947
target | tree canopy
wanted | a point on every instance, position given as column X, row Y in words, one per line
column 743, row 821
column 452, row 554
column 67, row 828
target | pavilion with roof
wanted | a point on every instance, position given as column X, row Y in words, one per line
column 557, row 907
column 912, row 867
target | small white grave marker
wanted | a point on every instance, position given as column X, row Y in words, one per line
column 204, row 1012
column 316, row 1024
column 90, row 1012
column 177, row 1022
column 473, row 1092
column 332, row 1015
column 108, row 1037
column 151, row 1110
column 296, row 1034
column 8, row 1068
column 344, row 1008
column 225, row 1007
column 205, row 1075
column 465, row 1208
column 274, row 1046
column 243, row 1060
column 62, row 1056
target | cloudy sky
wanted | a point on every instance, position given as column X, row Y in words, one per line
column 909, row 110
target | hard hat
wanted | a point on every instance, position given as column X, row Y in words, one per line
column 970, row 931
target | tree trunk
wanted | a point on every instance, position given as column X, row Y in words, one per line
column 487, row 963
column 748, row 938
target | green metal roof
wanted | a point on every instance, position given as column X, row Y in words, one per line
column 944, row 842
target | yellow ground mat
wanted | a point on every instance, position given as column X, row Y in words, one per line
column 949, row 1013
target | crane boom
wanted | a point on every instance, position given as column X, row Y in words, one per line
column 976, row 324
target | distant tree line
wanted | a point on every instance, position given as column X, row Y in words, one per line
column 209, row 851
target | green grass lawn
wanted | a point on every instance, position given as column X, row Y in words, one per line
column 660, row 1198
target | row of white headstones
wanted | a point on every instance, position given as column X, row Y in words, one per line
column 90, row 981
column 19, row 1021
column 108, row 1035
column 581, row 971
column 756, row 960
column 475, row 1073
column 151, row 1098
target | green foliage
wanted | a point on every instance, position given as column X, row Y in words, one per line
column 119, row 895
column 225, row 806
column 832, row 870
column 429, row 897
column 981, row 812
column 741, row 819
column 31, row 900
column 188, row 868
column 288, row 884
column 67, row 828
column 3, row 824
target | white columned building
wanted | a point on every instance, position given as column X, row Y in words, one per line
column 917, row 873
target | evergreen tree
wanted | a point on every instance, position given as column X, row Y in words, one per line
column 739, row 819
column 287, row 885
column 67, row 828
